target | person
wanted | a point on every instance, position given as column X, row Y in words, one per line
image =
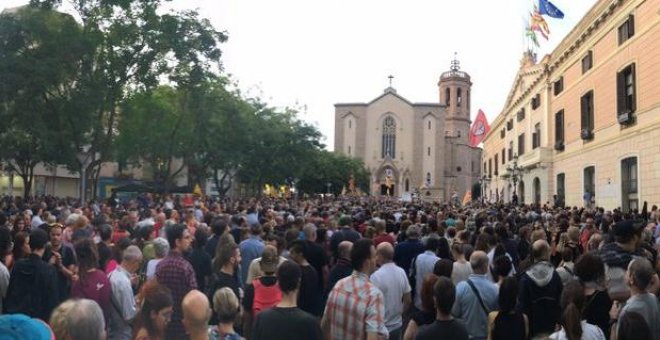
column 225, row 268
column 63, row 258
column 540, row 291
column 123, row 301
column 93, row 283
column 366, row 305
column 618, row 255
column 104, row 247
column 382, row 235
column 632, row 326
column 639, row 277
column 406, row 251
column 161, row 248
column 5, row 249
column 345, row 233
column 33, row 284
column 425, row 316
column 298, row 324
column 392, row 281
column 501, row 268
column 227, row 308
column 462, row 269
column 445, row 326
column 219, row 227
column 423, row 265
column 476, row 297
column 251, row 248
column 78, row 319
column 342, row 268
column 199, row 259
column 177, row 274
column 263, row 293
column 566, row 267
column 155, row 312
column 572, row 325
column 590, row 271
column 196, row 315
column 310, row 292
column 21, row 326
column 507, row 323
column 254, row 271
column 315, row 254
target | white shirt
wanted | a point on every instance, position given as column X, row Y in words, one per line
column 423, row 265
column 461, row 272
column 393, row 282
column 589, row 332
column 123, row 305
column 151, row 268
column 4, row 283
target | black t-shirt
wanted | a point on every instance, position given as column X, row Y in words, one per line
column 315, row 255
column 221, row 280
column 309, row 297
column 596, row 311
column 286, row 324
column 422, row 318
column 201, row 263
column 449, row 329
column 68, row 258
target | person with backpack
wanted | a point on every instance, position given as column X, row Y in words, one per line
column 263, row 292
column 565, row 269
column 33, row 285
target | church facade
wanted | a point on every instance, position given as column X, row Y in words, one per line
column 413, row 147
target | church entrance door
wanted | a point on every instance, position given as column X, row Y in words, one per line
column 386, row 191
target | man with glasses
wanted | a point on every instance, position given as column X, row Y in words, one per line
column 177, row 274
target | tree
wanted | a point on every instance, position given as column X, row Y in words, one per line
column 329, row 167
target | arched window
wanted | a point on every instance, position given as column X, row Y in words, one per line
column 459, row 97
column 350, row 123
column 407, row 185
column 429, row 124
column 428, row 179
column 389, row 138
column 447, row 96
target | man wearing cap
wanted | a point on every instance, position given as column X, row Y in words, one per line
column 263, row 292
column 617, row 257
column 406, row 251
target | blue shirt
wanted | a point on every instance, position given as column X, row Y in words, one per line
column 467, row 308
column 250, row 250
column 406, row 251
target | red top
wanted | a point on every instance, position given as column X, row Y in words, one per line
column 265, row 296
column 384, row 238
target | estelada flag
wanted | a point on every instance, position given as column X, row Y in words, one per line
column 479, row 129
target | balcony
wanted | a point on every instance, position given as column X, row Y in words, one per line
column 535, row 157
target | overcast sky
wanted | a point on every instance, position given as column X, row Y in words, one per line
column 313, row 54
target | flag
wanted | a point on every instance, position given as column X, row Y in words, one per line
column 479, row 129
column 467, row 198
column 547, row 8
column 537, row 23
column 532, row 36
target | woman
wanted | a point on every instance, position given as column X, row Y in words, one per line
column 92, row 283
column 226, row 306
column 572, row 326
column 427, row 315
column 21, row 247
column 19, row 225
column 462, row 268
column 507, row 323
column 161, row 248
column 590, row 270
column 155, row 313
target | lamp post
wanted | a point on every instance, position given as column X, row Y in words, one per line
column 515, row 172
column 328, row 185
column 484, row 186
column 84, row 159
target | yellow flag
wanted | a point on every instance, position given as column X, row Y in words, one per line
column 467, row 198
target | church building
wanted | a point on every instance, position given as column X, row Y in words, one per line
column 413, row 147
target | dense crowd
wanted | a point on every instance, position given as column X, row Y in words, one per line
column 325, row 268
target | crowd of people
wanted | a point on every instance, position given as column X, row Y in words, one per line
column 325, row 268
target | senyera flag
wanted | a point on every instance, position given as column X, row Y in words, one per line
column 479, row 129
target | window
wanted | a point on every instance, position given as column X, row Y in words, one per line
column 468, row 100
column 510, row 150
column 509, row 125
column 587, row 114
column 627, row 29
column 490, row 167
column 350, row 123
column 428, row 179
column 536, row 101
column 521, row 114
column 459, row 97
column 590, row 181
column 536, row 136
column 629, row 184
column 496, row 164
column 472, row 166
column 521, row 144
column 625, row 90
column 458, row 133
column 502, row 133
column 407, row 185
column 587, row 62
column 558, row 85
column 349, row 150
column 485, row 168
column 447, row 96
column 429, row 125
column 459, row 169
column 428, row 151
column 503, row 156
column 389, row 138
column 561, row 188
column 559, row 127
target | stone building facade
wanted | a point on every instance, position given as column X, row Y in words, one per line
column 584, row 122
column 413, row 146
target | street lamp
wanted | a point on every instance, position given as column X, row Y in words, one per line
column 515, row 172
column 328, row 185
column 484, row 186
column 84, row 158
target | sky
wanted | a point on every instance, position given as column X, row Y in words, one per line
column 311, row 54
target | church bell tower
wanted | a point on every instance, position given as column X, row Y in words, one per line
column 454, row 87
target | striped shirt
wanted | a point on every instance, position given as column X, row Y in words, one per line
column 355, row 307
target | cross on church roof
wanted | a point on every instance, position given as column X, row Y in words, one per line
column 455, row 64
column 390, row 77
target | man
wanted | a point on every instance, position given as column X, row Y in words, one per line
column 617, row 257
column 423, row 265
column 343, row 266
column 406, row 251
column 444, row 327
column 286, row 315
column 315, row 254
column 225, row 269
column 356, row 307
column 80, row 319
column 177, row 274
column 476, row 297
column 124, row 308
column 33, row 285
column 345, row 233
column 196, row 314
column 540, row 292
column 251, row 249
column 254, row 271
column 310, row 295
column 382, row 235
column 639, row 277
column 62, row 257
column 393, row 282
column 262, row 293
column 219, row 227
column 586, row 232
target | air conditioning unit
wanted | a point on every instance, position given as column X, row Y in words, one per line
column 559, row 146
column 625, row 118
column 586, row 134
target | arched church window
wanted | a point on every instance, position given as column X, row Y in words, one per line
column 407, row 185
column 458, row 133
column 459, row 97
column 447, row 96
column 350, row 123
column 429, row 125
column 428, row 151
column 428, row 179
column 389, row 138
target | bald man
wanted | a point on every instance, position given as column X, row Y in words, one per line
column 343, row 266
column 471, row 293
column 540, row 292
column 393, row 282
column 196, row 315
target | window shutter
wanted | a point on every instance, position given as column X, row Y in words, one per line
column 583, row 113
column 621, row 92
column 634, row 87
column 631, row 26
